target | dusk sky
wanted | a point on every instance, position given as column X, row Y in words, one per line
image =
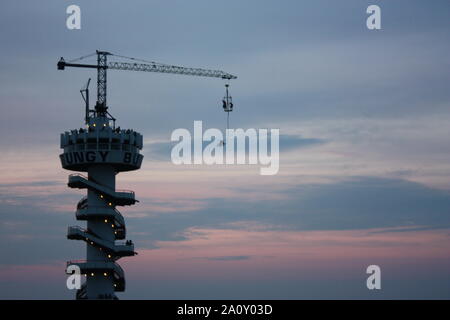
column 364, row 120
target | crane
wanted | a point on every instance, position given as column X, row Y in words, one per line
column 103, row 65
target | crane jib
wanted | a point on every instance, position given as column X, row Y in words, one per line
column 150, row 68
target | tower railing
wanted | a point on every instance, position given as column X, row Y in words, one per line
column 124, row 191
column 101, row 146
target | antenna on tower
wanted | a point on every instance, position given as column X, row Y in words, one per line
column 86, row 100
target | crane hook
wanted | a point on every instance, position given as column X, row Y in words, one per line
column 227, row 104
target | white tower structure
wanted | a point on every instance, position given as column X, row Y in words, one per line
column 102, row 151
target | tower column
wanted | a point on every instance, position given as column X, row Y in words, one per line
column 102, row 152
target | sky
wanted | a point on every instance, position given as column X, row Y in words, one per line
column 364, row 174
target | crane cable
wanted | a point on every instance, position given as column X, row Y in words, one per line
column 146, row 61
column 83, row 57
column 136, row 59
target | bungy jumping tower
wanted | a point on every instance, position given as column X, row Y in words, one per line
column 102, row 151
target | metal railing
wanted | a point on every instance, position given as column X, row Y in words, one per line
column 118, row 217
column 77, row 175
column 73, row 229
column 82, row 204
column 101, row 146
column 123, row 191
column 99, row 264
column 124, row 243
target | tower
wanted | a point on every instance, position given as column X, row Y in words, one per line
column 102, row 151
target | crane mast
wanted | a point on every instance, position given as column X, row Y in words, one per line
column 101, row 107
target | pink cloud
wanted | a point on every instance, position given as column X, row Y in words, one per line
column 284, row 254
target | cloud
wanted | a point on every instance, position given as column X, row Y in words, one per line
column 226, row 258
column 160, row 151
column 31, row 184
column 34, row 225
column 355, row 203
column 314, row 263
